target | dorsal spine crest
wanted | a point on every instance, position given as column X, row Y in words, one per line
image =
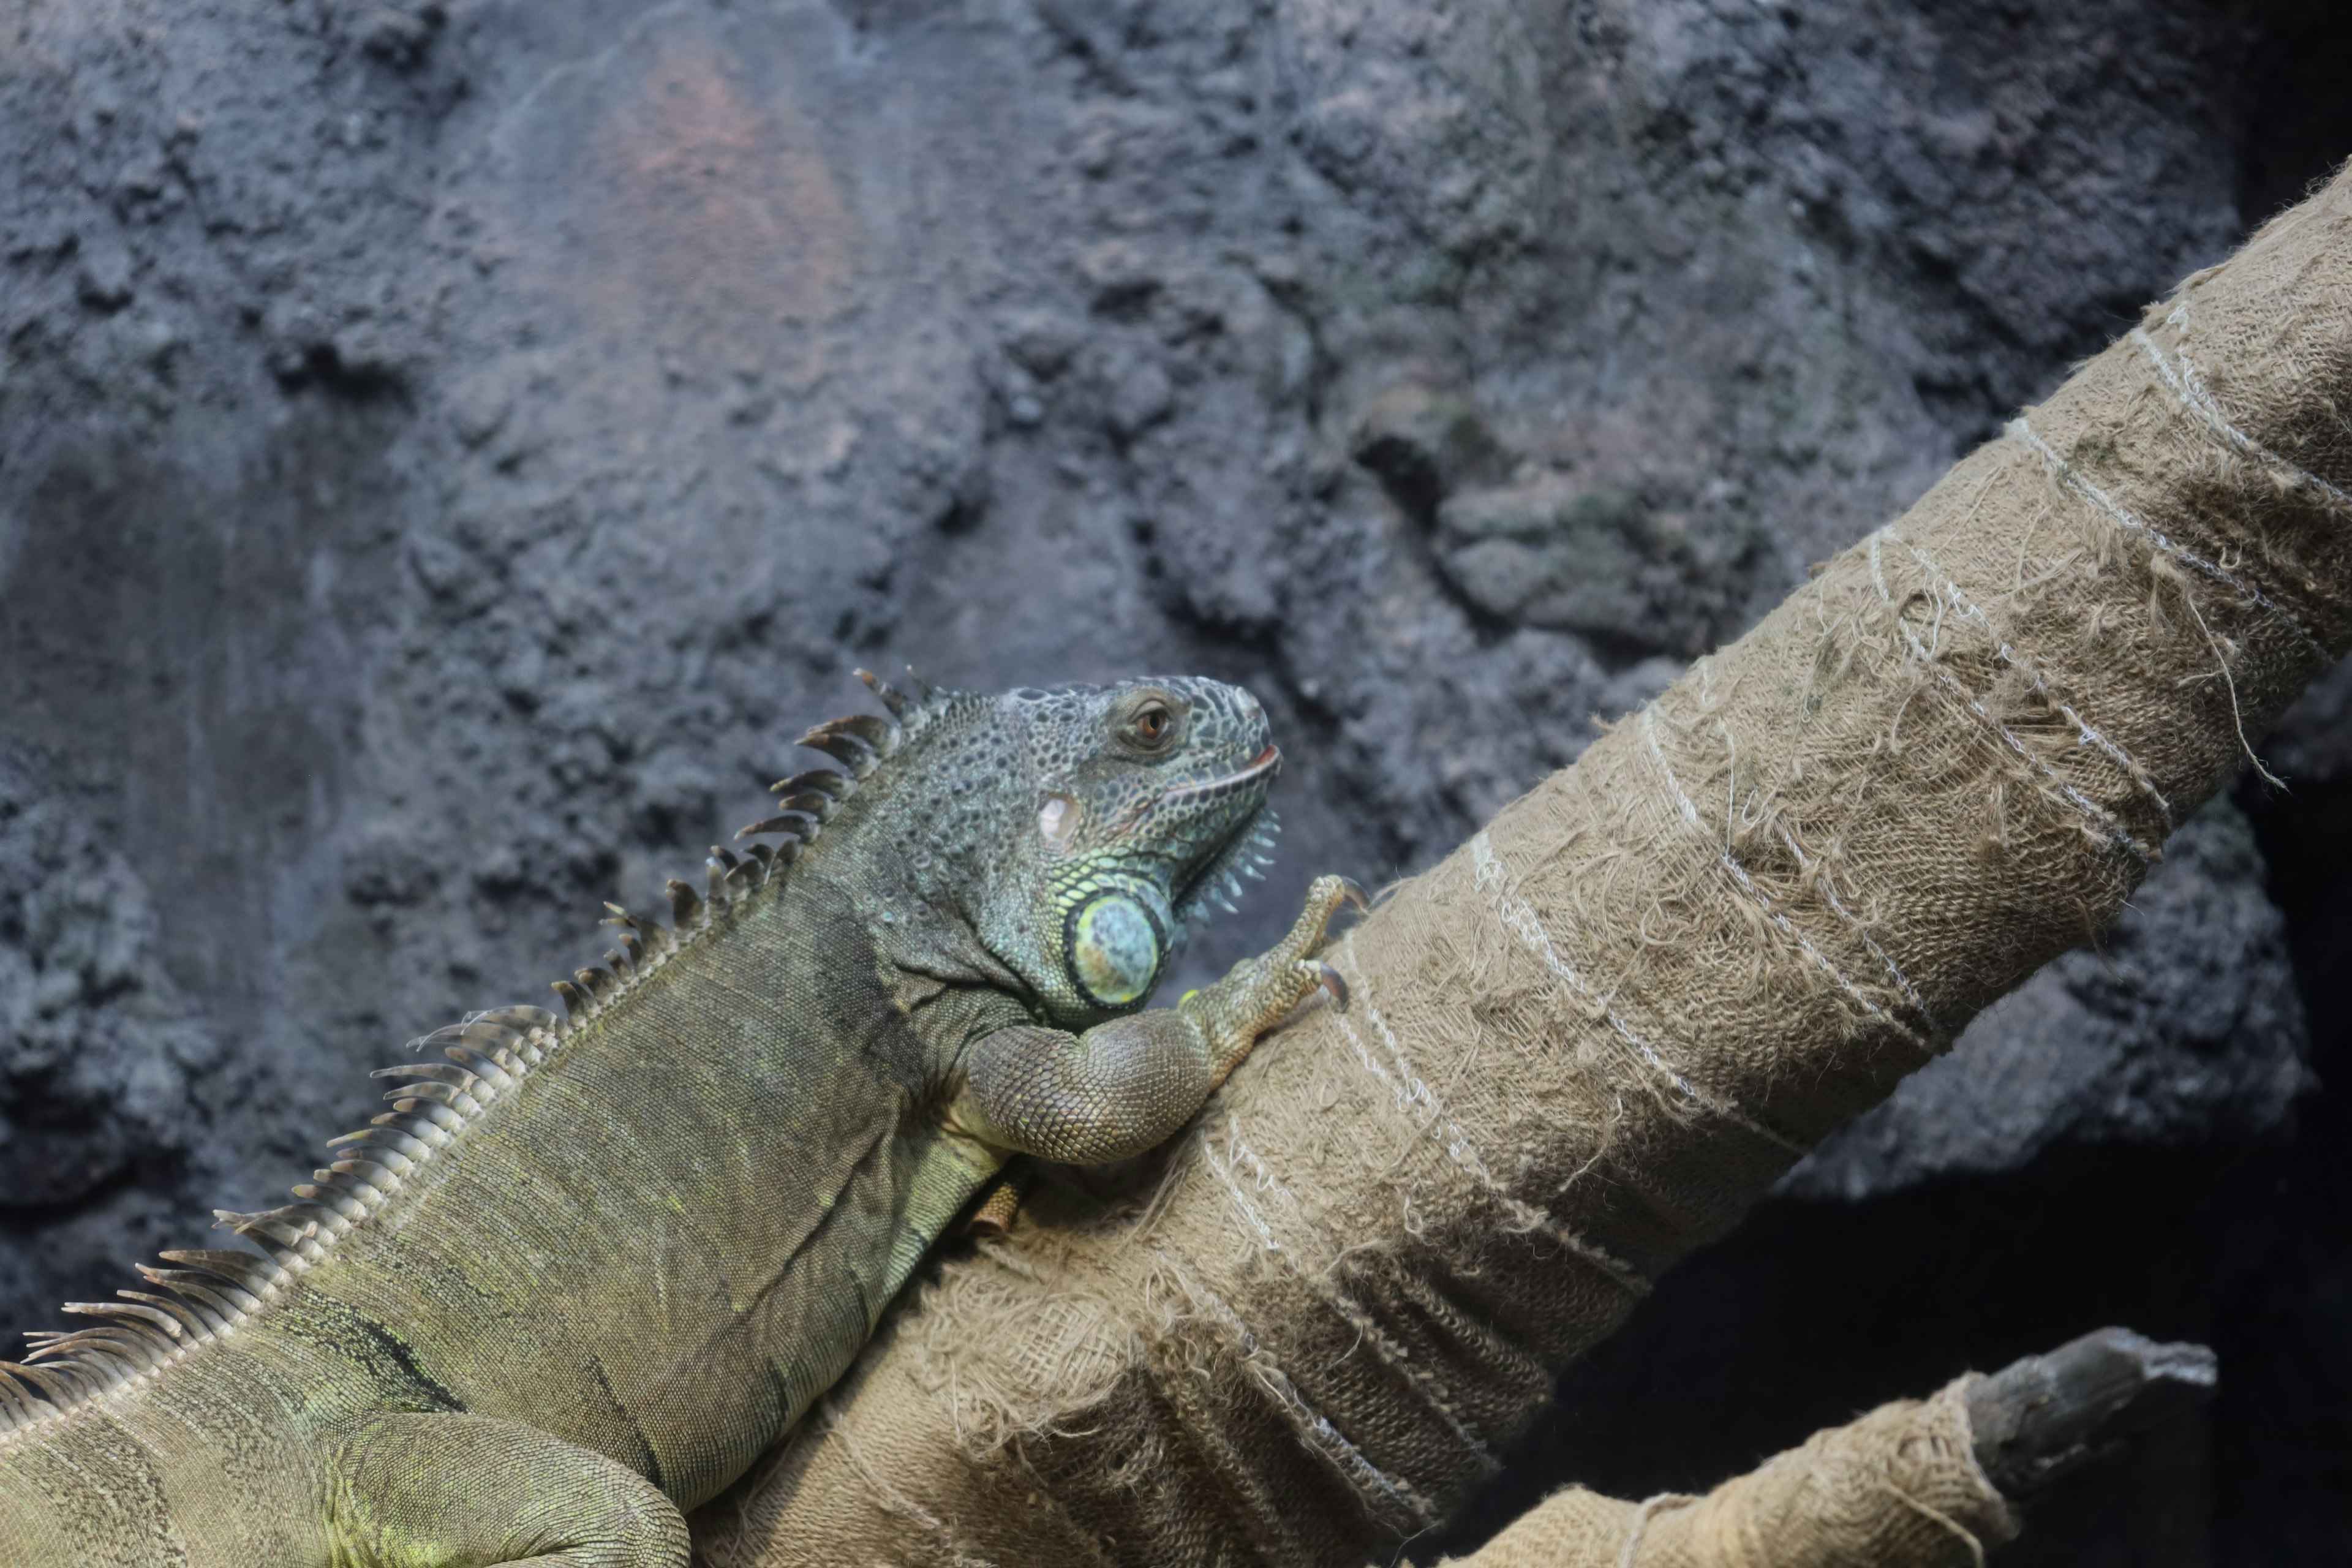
column 208, row 1296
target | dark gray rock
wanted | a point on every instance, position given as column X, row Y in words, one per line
column 97, row 1043
column 2312, row 742
column 1424, row 444
column 1602, row 561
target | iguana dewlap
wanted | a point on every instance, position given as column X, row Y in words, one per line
column 587, row 1268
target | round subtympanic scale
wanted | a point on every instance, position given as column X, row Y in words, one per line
column 1115, row 950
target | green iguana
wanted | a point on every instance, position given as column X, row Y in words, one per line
column 585, row 1271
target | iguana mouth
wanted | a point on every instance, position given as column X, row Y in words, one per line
column 1262, row 767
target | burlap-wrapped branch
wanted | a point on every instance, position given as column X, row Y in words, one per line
column 1899, row 1488
column 1586, row 1042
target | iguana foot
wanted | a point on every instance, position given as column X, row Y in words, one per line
column 1259, row 993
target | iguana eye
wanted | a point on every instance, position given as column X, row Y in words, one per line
column 1113, row 948
column 1152, row 726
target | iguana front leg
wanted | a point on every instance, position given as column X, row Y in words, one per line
column 466, row 1492
column 1123, row 1087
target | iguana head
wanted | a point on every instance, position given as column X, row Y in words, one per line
column 1135, row 803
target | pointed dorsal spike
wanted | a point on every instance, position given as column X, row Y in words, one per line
column 819, row 781
column 483, row 1040
column 900, row 704
column 58, row 1389
column 577, row 1003
column 231, row 1304
column 638, row 932
column 134, row 1336
column 93, row 1351
column 246, row 1270
column 425, row 1129
column 790, row 826
column 880, row 733
column 424, row 1107
column 496, row 1066
column 685, row 905
column 73, row 1382
column 456, row 1077
column 331, row 1197
column 131, row 1315
column 191, row 1314
column 189, row 1280
column 850, row 754
column 192, row 1323
column 27, row 1385
column 523, row 1018
column 476, row 1033
column 378, row 1142
column 293, row 1224
column 137, row 1344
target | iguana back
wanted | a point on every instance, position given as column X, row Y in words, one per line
column 585, row 1271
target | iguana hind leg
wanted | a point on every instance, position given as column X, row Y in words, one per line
column 1125, row 1086
column 467, row 1492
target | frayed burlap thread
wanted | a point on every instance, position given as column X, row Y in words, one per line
column 1899, row 1488
column 1587, row 1041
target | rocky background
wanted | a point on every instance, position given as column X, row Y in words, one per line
column 449, row 451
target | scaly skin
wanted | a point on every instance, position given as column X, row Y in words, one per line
column 575, row 1282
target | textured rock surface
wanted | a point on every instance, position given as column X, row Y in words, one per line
column 450, row 450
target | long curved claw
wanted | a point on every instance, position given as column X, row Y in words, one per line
column 1353, row 891
column 1312, row 931
column 1258, row 993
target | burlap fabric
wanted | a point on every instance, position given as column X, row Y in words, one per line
column 1584, row 1042
column 1898, row 1488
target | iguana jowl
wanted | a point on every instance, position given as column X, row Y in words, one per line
column 587, row 1269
